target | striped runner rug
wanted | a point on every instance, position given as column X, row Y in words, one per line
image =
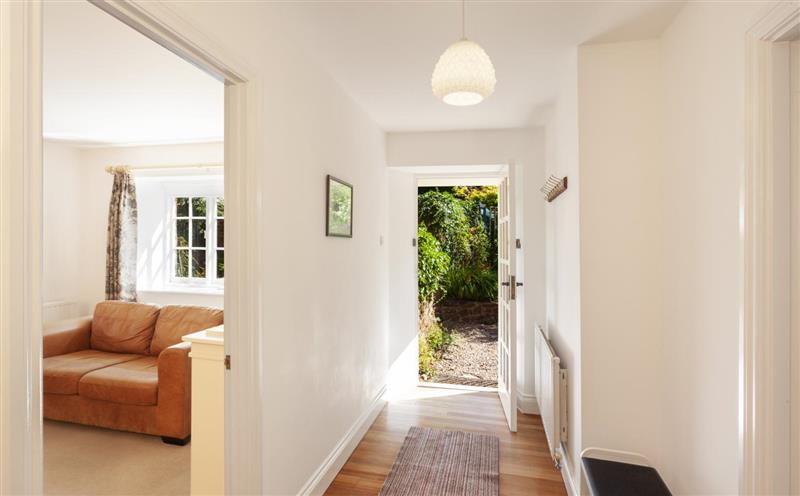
column 436, row 462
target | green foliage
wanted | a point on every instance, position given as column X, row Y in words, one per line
column 472, row 283
column 438, row 338
column 486, row 195
column 432, row 345
column 426, row 359
column 433, row 264
column 457, row 225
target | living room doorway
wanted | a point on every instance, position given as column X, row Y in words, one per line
column 134, row 257
column 21, row 395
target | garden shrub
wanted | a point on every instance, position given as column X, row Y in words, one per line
column 472, row 283
column 426, row 359
column 438, row 339
column 433, row 343
column 432, row 266
column 444, row 216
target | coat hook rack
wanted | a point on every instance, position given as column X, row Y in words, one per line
column 554, row 187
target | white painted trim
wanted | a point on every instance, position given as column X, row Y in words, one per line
column 20, row 247
column 566, row 474
column 334, row 462
column 78, row 142
column 757, row 265
column 244, row 321
column 161, row 24
column 21, row 243
column 526, row 403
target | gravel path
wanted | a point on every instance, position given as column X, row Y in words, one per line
column 471, row 359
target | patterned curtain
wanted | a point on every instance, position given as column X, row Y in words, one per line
column 121, row 249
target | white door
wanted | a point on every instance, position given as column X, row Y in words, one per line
column 506, row 301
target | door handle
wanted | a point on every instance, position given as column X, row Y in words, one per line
column 505, row 284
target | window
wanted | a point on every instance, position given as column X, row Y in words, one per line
column 199, row 250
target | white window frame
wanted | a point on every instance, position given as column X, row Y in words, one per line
column 211, row 280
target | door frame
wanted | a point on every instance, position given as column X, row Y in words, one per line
column 758, row 249
column 455, row 175
column 21, row 451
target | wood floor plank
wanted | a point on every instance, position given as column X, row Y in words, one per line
column 525, row 464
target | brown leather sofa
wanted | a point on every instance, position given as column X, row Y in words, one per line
column 126, row 368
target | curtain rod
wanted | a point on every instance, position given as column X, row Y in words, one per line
column 113, row 168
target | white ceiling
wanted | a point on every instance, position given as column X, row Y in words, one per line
column 106, row 84
column 383, row 52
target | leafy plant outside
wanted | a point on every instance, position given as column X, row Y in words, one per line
column 432, row 266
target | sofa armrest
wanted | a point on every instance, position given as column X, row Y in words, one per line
column 175, row 391
column 66, row 336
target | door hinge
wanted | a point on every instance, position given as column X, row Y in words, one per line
column 519, row 243
column 227, row 362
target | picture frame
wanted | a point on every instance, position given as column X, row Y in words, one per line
column 338, row 208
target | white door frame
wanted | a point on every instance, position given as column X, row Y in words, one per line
column 455, row 175
column 757, row 332
column 21, row 238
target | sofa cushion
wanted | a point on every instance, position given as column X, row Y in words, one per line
column 133, row 383
column 61, row 373
column 176, row 321
column 123, row 327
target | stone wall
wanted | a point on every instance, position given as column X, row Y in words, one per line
column 478, row 312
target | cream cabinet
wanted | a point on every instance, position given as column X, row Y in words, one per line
column 208, row 411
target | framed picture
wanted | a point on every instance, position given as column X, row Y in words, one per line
column 339, row 208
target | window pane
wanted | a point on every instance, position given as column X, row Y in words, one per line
column 220, row 207
column 198, row 263
column 182, row 207
column 182, row 263
column 220, row 233
column 220, row 264
column 182, row 232
column 198, row 233
column 198, row 207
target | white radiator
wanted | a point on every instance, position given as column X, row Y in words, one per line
column 551, row 394
column 53, row 311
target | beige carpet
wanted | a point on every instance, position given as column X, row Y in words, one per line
column 445, row 463
column 93, row 461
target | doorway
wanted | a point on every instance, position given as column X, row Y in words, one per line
column 458, row 283
column 133, row 230
column 20, row 181
column 469, row 209
column 770, row 351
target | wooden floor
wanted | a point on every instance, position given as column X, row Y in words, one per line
column 525, row 464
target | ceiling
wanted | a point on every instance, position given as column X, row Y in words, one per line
column 383, row 52
column 104, row 83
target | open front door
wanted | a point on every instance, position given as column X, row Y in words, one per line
column 506, row 301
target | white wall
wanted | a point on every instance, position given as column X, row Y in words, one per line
column 562, row 253
column 460, row 150
column 325, row 299
column 77, row 180
column 621, row 259
column 704, row 68
column 63, row 190
column 661, row 150
column 95, row 209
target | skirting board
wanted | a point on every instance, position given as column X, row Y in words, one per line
column 566, row 474
column 334, row 462
column 526, row 403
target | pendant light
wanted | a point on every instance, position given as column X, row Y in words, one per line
column 464, row 74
